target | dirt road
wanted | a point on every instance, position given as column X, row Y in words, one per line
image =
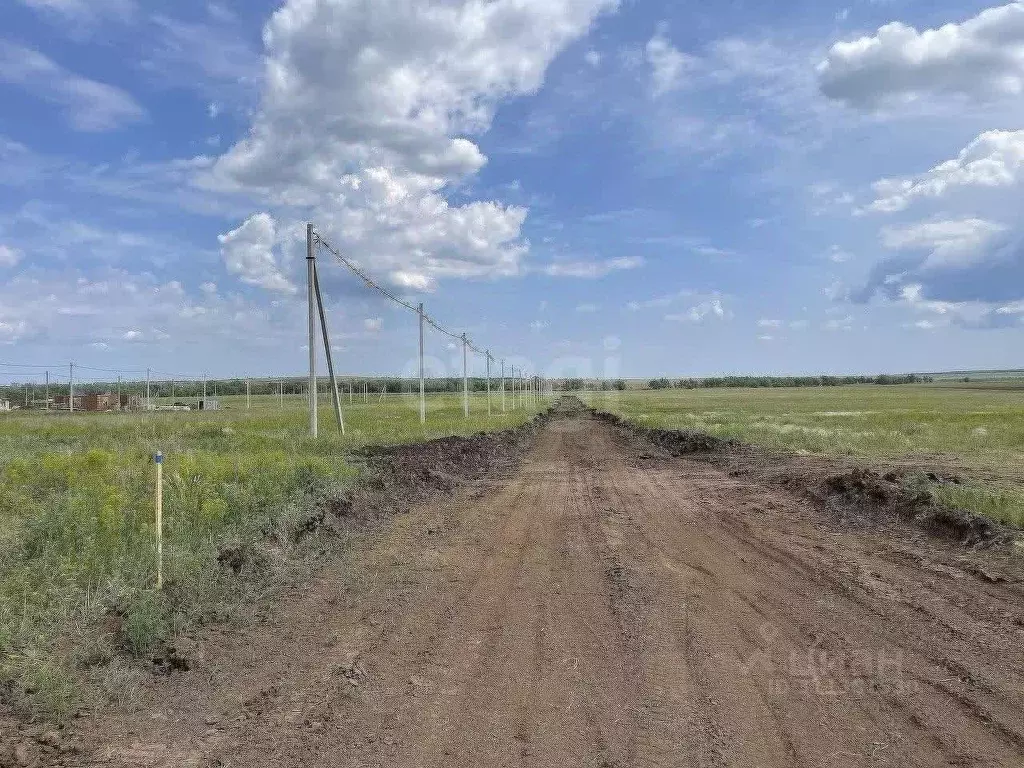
column 607, row 605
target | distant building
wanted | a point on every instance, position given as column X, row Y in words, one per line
column 5, row 405
column 99, row 402
column 209, row 404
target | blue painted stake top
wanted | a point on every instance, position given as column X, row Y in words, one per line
column 159, row 458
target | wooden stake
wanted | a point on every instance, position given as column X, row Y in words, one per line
column 159, row 460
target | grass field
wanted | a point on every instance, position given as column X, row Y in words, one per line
column 976, row 426
column 77, row 553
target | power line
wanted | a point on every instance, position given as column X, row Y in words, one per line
column 371, row 283
column 109, row 370
column 40, row 367
column 364, row 277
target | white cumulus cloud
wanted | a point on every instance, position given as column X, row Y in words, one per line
column 249, row 253
column 980, row 58
column 951, row 242
column 993, row 159
column 367, row 116
column 964, row 313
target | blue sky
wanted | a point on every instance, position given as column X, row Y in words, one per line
column 586, row 186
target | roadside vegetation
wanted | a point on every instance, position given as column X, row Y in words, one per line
column 978, row 429
column 77, row 551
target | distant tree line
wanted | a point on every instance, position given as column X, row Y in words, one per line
column 186, row 390
column 578, row 385
column 787, row 381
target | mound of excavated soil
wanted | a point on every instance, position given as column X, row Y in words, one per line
column 398, row 477
column 859, row 496
column 678, row 442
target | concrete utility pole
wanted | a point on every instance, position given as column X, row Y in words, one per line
column 47, row 390
column 423, row 391
column 71, row 389
column 248, row 396
column 149, row 401
column 465, row 376
column 503, row 386
column 119, row 392
column 488, row 383
column 310, row 279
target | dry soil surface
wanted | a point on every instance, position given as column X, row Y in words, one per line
column 606, row 604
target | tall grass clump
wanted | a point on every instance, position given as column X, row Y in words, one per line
column 1005, row 505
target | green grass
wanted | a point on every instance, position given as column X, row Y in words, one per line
column 1005, row 504
column 77, row 552
column 977, row 429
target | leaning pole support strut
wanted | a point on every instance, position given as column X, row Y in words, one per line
column 338, row 416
